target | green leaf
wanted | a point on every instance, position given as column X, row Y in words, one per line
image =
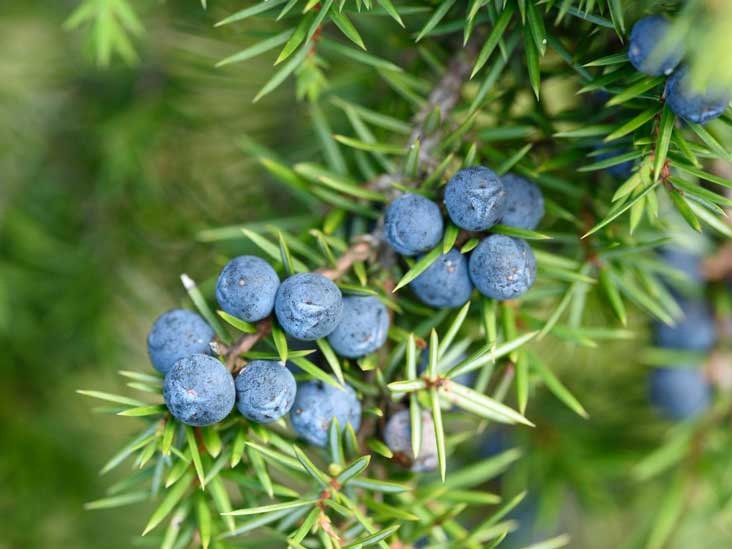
column 117, row 501
column 558, row 389
column 274, row 455
column 519, row 233
column 535, row 23
column 665, row 129
column 273, row 507
column 281, row 75
column 448, row 240
column 257, row 49
column 437, row 16
column 532, row 65
column 374, row 538
column 353, row 470
column 331, row 359
column 383, row 148
column 280, row 341
column 616, row 14
column 668, row 513
column 620, row 211
column 612, row 161
column 488, row 354
column 419, row 267
column 357, row 55
column 198, row 300
column 315, row 371
column 140, row 411
column 203, row 514
column 310, row 468
column 709, row 140
column 480, row 404
column 508, row 164
column 195, row 455
column 683, row 207
column 378, row 485
column 271, row 249
column 256, row 9
column 635, row 90
column 237, row 448
column 433, row 357
column 238, row 323
column 613, row 59
column 439, row 431
column 391, row 10
column 613, row 296
column 452, row 331
column 700, row 192
column 347, row 28
column 117, row 399
column 633, row 124
column 701, row 174
column 375, row 445
column 172, row 497
column 492, row 40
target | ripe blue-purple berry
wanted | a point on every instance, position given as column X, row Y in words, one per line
column 502, row 267
column 398, row 437
column 198, row 390
column 691, row 104
column 316, row 404
column 363, row 327
column 308, row 306
column 475, row 198
column 524, row 203
column 413, row 224
column 177, row 334
column 265, row 391
column 646, row 41
column 246, row 288
column 445, row 283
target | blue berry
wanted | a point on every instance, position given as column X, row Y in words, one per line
column 177, row 334
column 524, row 206
column 647, row 34
column 363, row 327
column 265, row 391
column 247, row 287
column 502, row 267
column 413, row 224
column 198, row 390
column 693, row 105
column 316, row 404
column 679, row 392
column 475, row 198
column 398, row 437
column 695, row 332
column 445, row 283
column 308, row 306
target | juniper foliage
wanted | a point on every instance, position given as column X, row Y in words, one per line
column 400, row 96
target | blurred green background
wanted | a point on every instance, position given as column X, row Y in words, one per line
column 107, row 176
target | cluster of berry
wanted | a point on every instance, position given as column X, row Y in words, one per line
column 652, row 51
column 199, row 390
column 500, row 267
column 683, row 391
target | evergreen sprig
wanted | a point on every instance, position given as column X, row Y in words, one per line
column 440, row 86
